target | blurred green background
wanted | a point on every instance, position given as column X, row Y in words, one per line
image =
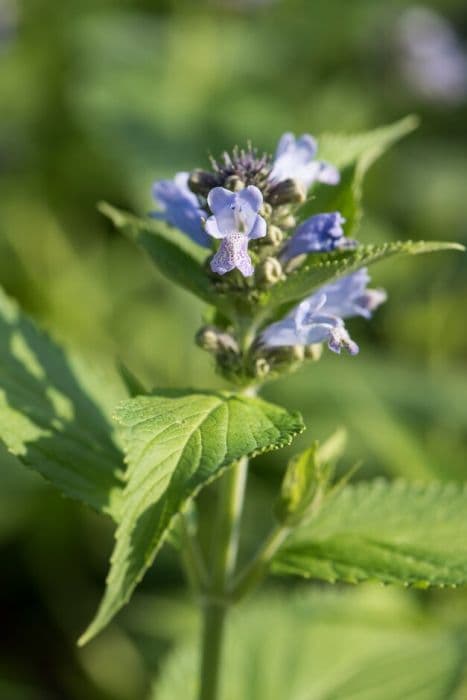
column 101, row 97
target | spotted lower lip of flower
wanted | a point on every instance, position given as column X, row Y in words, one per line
column 321, row 233
column 339, row 338
column 180, row 207
column 235, row 221
column 295, row 159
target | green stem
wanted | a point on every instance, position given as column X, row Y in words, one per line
column 256, row 570
column 213, row 633
column 192, row 558
column 224, row 558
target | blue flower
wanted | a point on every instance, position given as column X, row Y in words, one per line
column 307, row 324
column 180, row 207
column 295, row 159
column 321, row 233
column 319, row 318
column 349, row 296
column 235, row 221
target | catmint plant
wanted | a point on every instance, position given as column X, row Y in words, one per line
column 272, row 248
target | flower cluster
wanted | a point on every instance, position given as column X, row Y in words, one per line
column 245, row 210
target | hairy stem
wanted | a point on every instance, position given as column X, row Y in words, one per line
column 224, row 558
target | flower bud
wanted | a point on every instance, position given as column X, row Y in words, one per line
column 313, row 352
column 207, row 338
column 262, row 367
column 286, row 355
column 287, row 192
column 234, row 183
column 298, row 353
column 266, row 210
column 288, row 221
column 213, row 340
column 269, row 271
column 274, row 235
column 293, row 264
column 202, row 182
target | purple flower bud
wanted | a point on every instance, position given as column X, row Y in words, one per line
column 295, row 159
column 180, row 207
column 321, row 233
column 236, row 221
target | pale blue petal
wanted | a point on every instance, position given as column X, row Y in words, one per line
column 349, row 297
column 280, row 334
column 222, row 204
column 295, row 159
column 212, row 228
column 180, row 207
column 259, row 229
column 328, row 174
column 286, row 141
column 251, row 197
column 321, row 233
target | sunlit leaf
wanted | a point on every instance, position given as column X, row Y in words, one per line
column 390, row 532
column 318, row 271
column 175, row 444
column 53, row 413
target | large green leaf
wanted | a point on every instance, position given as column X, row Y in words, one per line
column 361, row 645
column 175, row 444
column 53, row 413
column 319, row 270
column 173, row 261
column 390, row 532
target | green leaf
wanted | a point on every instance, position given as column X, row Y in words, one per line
column 394, row 533
column 343, row 150
column 319, row 270
column 302, row 482
column 175, row 444
column 53, row 413
column 306, row 480
column 133, row 385
column 175, row 263
column 361, row 644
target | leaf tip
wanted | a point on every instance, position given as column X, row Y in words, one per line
column 116, row 217
column 86, row 637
